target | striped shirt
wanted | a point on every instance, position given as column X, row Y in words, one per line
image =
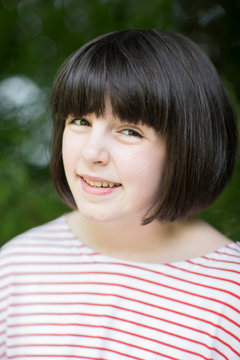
column 60, row 299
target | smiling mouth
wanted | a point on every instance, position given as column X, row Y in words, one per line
column 100, row 184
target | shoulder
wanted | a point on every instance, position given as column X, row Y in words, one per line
column 215, row 250
column 226, row 257
column 36, row 237
column 218, row 272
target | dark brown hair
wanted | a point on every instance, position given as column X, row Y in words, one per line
column 166, row 81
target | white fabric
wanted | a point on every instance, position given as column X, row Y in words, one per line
column 59, row 299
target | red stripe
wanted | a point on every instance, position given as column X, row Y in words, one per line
column 126, row 332
column 125, row 309
column 142, row 280
column 3, row 356
column 132, row 322
column 131, row 266
column 124, row 343
column 222, row 260
column 45, row 244
column 38, row 232
column 35, row 263
column 44, row 254
column 63, row 228
column 226, row 253
column 155, row 271
column 53, row 356
column 213, row 267
column 205, row 275
column 43, row 263
column 91, row 347
column 60, row 227
column 142, row 291
column 233, row 244
column 128, row 344
column 133, row 300
column 31, row 242
column 113, row 340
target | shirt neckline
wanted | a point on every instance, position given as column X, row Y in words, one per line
column 179, row 263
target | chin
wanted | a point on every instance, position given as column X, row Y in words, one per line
column 103, row 217
column 94, row 216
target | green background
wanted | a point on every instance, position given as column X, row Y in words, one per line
column 36, row 37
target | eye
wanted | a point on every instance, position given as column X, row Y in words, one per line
column 131, row 132
column 80, row 122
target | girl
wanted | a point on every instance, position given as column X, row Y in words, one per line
column 144, row 138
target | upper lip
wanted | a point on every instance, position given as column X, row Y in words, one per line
column 93, row 178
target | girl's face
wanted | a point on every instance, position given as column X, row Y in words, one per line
column 113, row 168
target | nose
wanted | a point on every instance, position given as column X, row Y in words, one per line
column 95, row 149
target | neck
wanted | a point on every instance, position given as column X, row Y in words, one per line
column 128, row 239
column 152, row 243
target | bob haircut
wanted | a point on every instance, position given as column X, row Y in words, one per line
column 164, row 80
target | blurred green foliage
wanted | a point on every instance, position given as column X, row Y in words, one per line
column 36, row 37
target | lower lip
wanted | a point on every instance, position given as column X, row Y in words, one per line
column 97, row 191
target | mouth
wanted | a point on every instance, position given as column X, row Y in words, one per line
column 100, row 184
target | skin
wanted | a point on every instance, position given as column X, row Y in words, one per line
column 121, row 153
column 129, row 155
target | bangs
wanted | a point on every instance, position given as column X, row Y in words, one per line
column 104, row 71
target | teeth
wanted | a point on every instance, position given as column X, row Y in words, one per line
column 100, row 183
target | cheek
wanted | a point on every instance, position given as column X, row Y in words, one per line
column 145, row 167
column 69, row 152
column 150, row 171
